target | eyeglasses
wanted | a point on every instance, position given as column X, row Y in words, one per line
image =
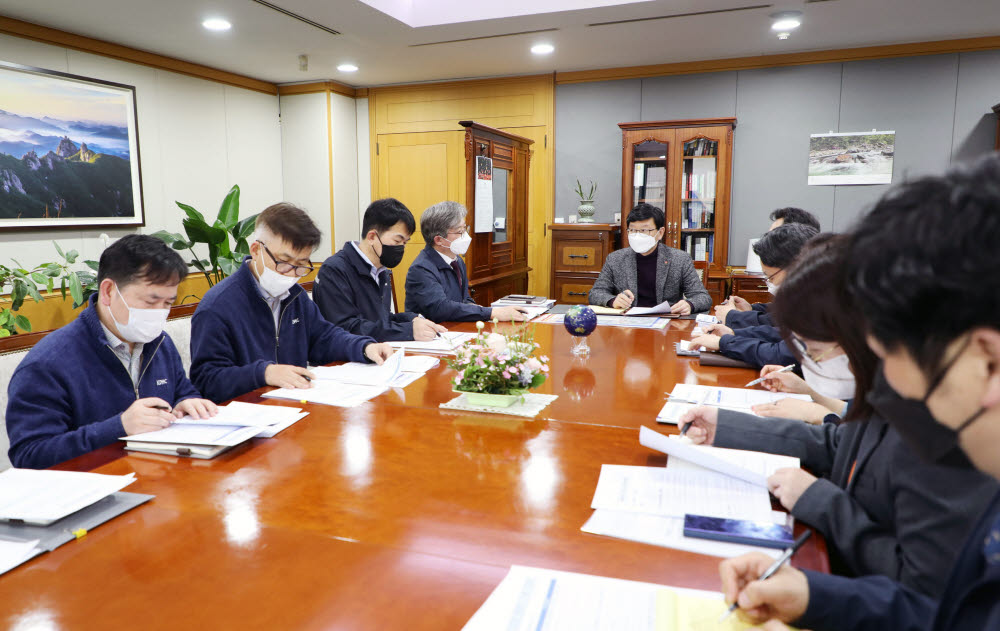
column 804, row 350
column 773, row 275
column 456, row 231
column 283, row 267
column 642, row 230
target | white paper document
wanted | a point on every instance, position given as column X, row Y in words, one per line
column 667, row 532
column 533, row 599
column 684, row 450
column 758, row 462
column 686, row 396
column 444, row 344
column 196, row 434
column 14, row 553
column 419, row 363
column 42, row 497
column 363, row 374
column 343, row 395
column 662, row 308
column 659, row 491
column 244, row 415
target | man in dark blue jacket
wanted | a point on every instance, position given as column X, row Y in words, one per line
column 111, row 372
column 762, row 345
column 258, row 327
column 354, row 286
column 937, row 329
column 437, row 285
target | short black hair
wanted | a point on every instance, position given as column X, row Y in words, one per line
column 383, row 214
column 792, row 214
column 646, row 211
column 920, row 260
column 779, row 247
column 137, row 257
column 290, row 223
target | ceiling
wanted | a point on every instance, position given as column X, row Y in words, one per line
column 265, row 43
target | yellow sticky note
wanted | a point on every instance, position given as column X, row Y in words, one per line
column 80, row 532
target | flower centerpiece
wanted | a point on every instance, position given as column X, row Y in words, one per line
column 496, row 369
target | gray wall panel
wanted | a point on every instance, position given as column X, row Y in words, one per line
column 978, row 92
column 689, row 96
column 777, row 110
column 589, row 142
column 914, row 96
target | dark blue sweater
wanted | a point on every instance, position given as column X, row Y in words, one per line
column 348, row 296
column 756, row 350
column 67, row 395
column 758, row 314
column 433, row 291
column 233, row 337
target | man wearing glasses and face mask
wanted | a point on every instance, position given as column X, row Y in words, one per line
column 935, row 323
column 258, row 327
column 649, row 272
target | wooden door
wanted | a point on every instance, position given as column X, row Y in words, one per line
column 420, row 170
column 649, row 167
column 540, row 206
column 700, row 201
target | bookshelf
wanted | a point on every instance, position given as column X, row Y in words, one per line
column 685, row 168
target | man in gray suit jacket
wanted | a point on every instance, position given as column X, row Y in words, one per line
column 649, row 272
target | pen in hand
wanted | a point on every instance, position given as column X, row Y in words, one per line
column 774, row 372
column 769, row 572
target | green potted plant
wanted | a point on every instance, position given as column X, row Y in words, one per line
column 496, row 369
column 586, row 209
column 25, row 283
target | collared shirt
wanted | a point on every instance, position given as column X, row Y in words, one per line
column 375, row 271
column 272, row 302
column 132, row 361
column 447, row 259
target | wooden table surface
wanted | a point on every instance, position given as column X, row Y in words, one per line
column 391, row 515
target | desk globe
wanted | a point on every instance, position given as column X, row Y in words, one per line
column 580, row 321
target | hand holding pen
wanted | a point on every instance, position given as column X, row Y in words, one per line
column 763, row 588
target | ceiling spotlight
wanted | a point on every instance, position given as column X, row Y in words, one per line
column 217, row 24
column 784, row 35
column 542, row 49
column 347, row 68
column 786, row 20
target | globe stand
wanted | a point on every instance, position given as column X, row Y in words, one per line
column 580, row 347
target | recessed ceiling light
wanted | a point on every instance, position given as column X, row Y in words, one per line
column 217, row 24
column 347, row 68
column 786, row 20
column 784, row 35
column 542, row 49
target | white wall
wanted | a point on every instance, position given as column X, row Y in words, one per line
column 344, row 134
column 196, row 139
column 306, row 161
column 364, row 155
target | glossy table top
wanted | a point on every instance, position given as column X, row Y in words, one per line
column 394, row 514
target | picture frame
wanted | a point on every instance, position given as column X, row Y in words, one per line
column 69, row 152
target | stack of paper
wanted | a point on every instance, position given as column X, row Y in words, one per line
column 14, row 553
column 361, row 374
column 327, row 392
column 444, row 344
column 686, row 396
column 532, row 599
column 42, row 497
column 197, row 440
column 271, row 419
column 661, row 309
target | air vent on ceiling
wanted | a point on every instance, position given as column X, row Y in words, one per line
column 684, row 15
column 296, row 16
column 815, row 1
column 472, row 39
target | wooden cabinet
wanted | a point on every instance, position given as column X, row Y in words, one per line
column 578, row 254
column 685, row 168
column 717, row 287
column 497, row 260
column 751, row 287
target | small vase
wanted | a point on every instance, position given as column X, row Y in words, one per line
column 492, row 400
column 585, row 211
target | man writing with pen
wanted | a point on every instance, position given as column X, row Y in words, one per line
column 111, row 372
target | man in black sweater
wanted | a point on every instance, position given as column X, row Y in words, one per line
column 354, row 286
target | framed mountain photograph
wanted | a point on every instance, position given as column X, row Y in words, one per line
column 69, row 151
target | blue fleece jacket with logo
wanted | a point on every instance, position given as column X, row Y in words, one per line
column 67, row 396
column 234, row 338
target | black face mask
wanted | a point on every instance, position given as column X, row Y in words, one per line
column 391, row 255
column 932, row 441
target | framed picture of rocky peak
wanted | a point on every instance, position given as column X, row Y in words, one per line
column 69, row 152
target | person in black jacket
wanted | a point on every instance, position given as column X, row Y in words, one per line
column 935, row 323
column 354, row 286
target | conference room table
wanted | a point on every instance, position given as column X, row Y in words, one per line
column 395, row 514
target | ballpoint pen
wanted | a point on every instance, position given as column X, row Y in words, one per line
column 769, row 572
column 774, row 372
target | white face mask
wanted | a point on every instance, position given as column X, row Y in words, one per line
column 275, row 284
column 772, row 288
column 641, row 242
column 830, row 377
column 143, row 325
column 460, row 245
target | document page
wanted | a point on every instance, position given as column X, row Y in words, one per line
column 445, row 344
column 194, row 434
column 657, row 491
column 14, row 553
column 758, row 462
column 42, row 497
column 686, row 396
column 329, row 393
column 686, row 451
column 242, row 414
column 662, row 308
column 363, row 374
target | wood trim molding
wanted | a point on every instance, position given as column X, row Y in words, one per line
column 55, row 37
column 316, row 87
column 788, row 59
column 692, row 122
column 459, row 83
column 496, row 132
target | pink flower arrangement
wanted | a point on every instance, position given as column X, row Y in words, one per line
column 498, row 363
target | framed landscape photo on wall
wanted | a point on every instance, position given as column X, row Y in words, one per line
column 69, row 151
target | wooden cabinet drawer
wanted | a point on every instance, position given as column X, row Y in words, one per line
column 572, row 291
column 751, row 288
column 578, row 255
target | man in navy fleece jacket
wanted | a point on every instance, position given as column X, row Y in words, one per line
column 111, row 372
column 259, row 328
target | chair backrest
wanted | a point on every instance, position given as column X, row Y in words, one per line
column 701, row 267
column 8, row 362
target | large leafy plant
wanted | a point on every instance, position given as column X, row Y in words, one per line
column 223, row 258
column 29, row 283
